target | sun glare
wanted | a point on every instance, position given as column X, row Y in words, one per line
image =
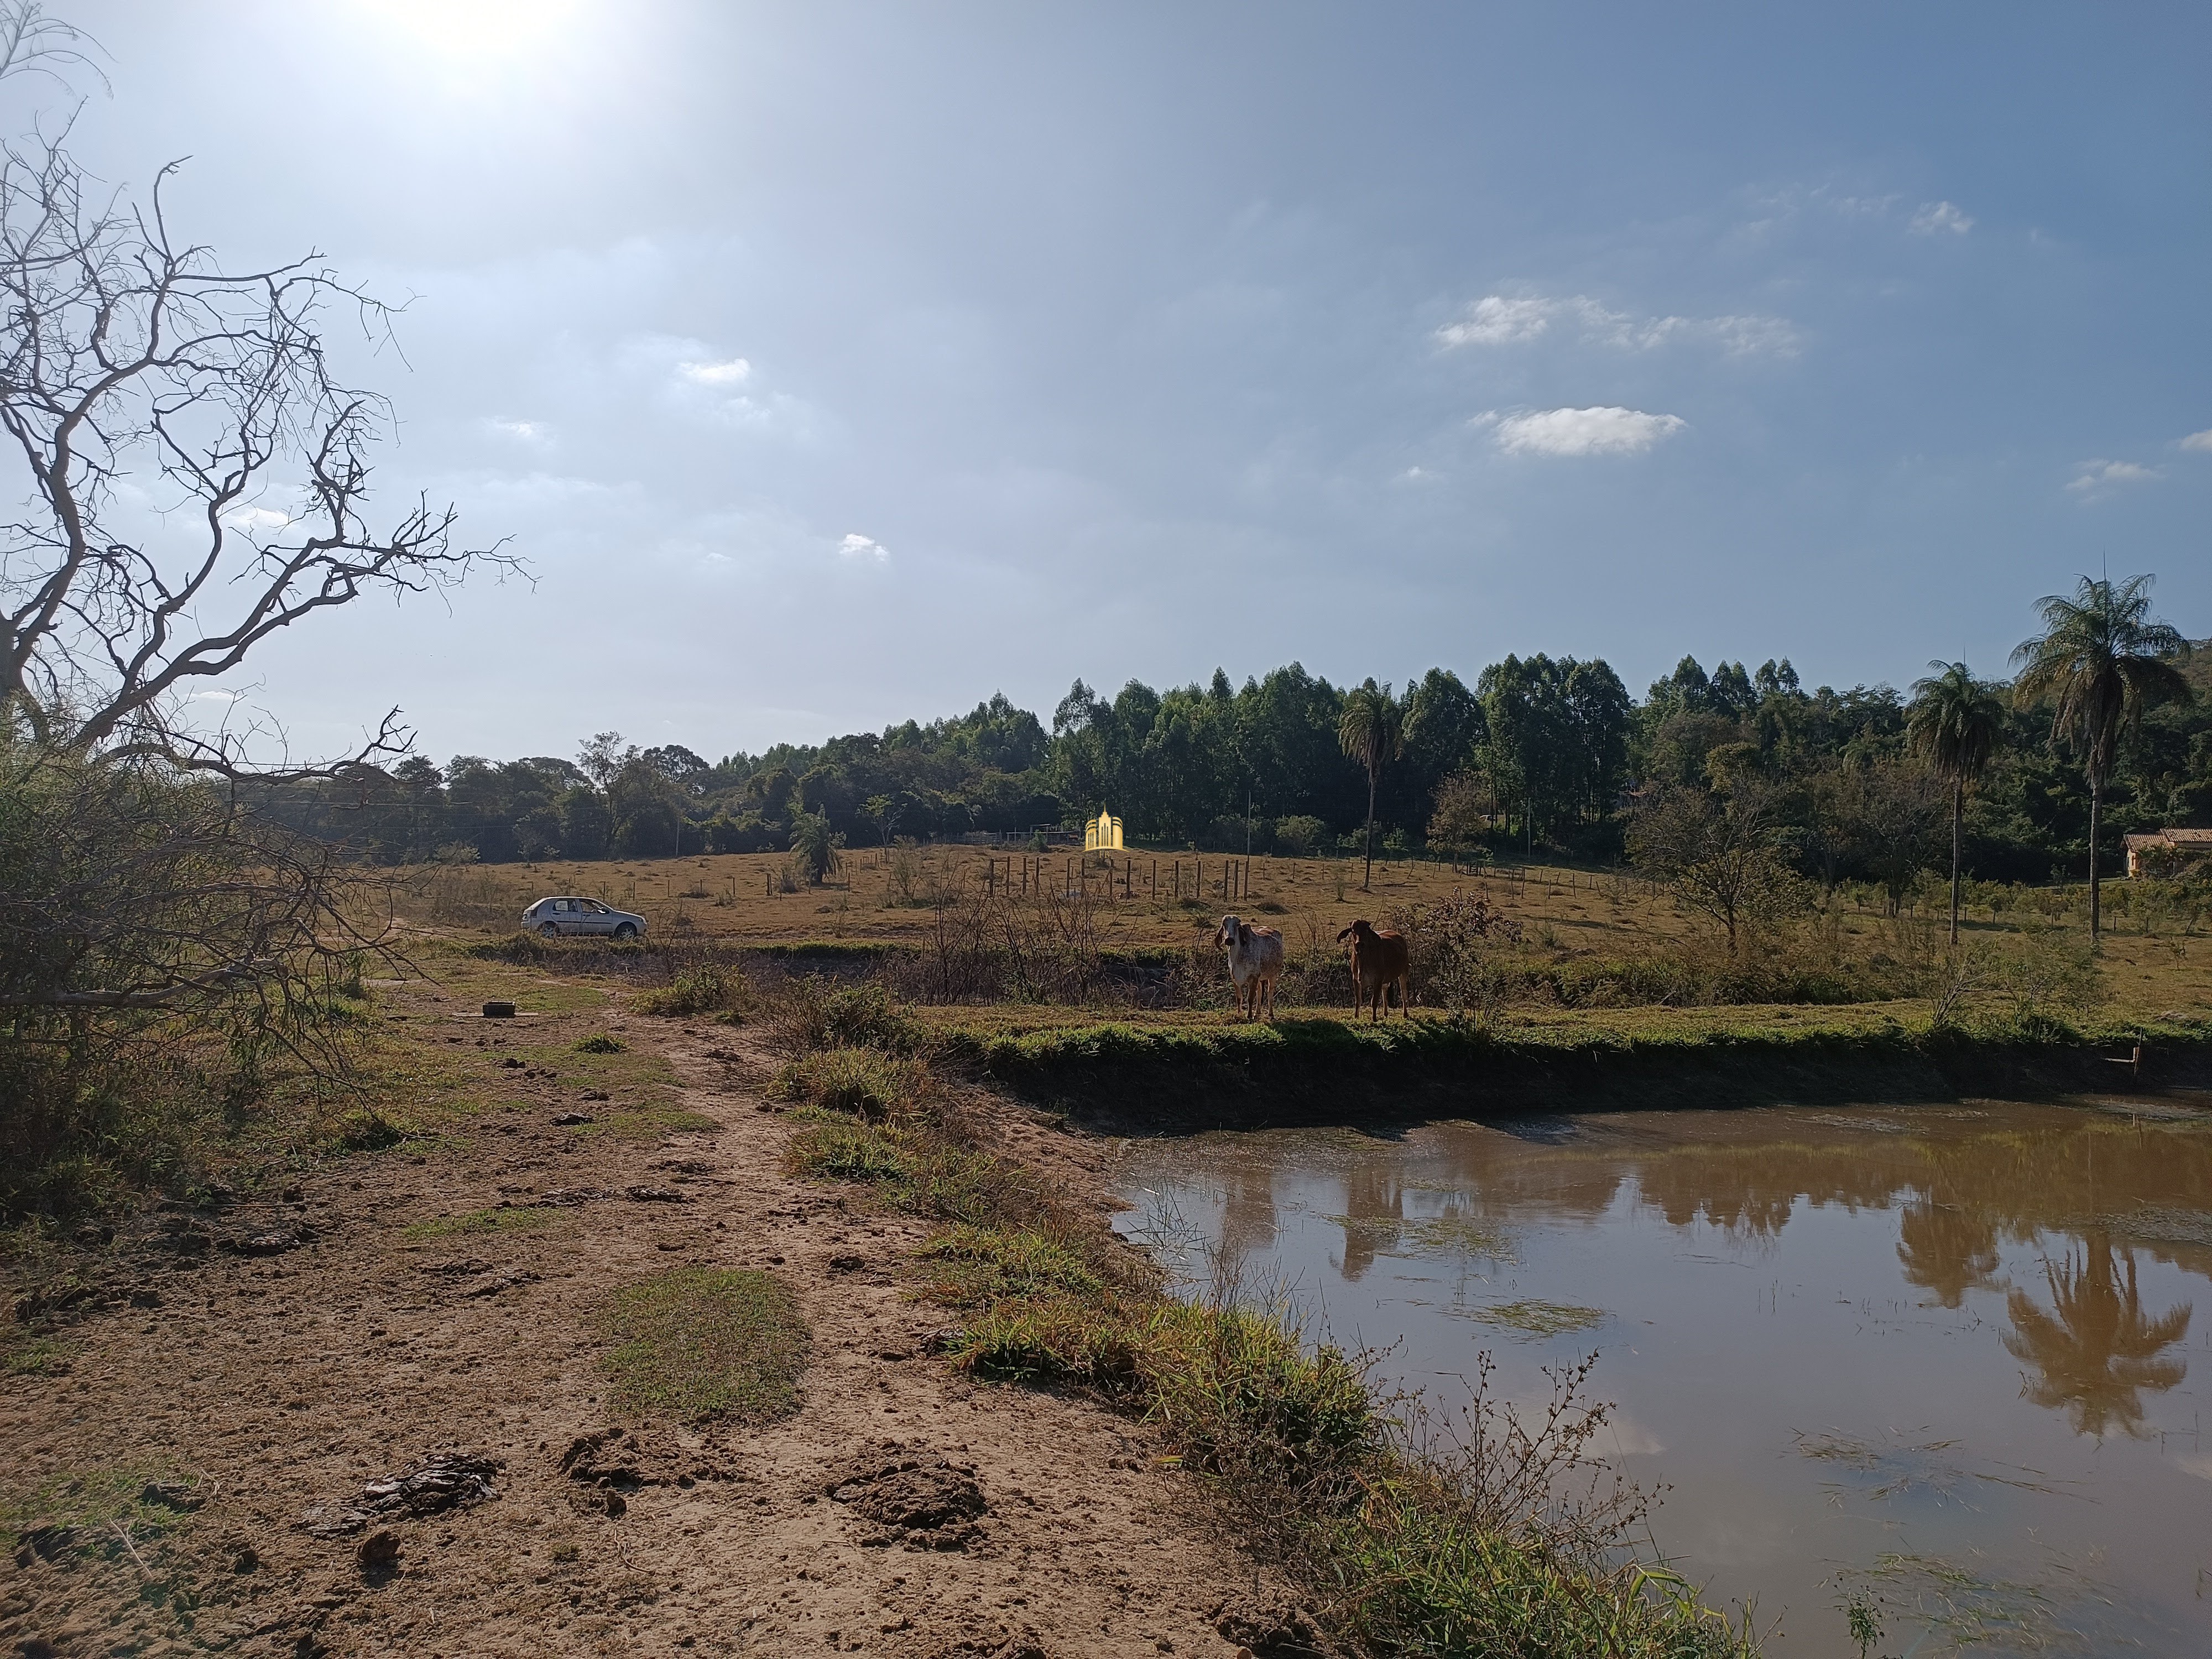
column 480, row 30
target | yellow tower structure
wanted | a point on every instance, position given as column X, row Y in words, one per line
column 1102, row 836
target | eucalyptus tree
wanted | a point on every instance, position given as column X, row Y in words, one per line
column 1955, row 725
column 1371, row 731
column 2103, row 662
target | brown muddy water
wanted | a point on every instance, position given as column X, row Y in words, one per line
column 1949, row 1362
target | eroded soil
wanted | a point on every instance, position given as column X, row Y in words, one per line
column 256, row 1396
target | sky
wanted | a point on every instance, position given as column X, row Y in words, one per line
column 829, row 365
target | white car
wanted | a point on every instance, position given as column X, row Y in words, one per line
column 554, row 918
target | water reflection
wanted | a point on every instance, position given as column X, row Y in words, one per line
column 1973, row 1322
column 2096, row 1350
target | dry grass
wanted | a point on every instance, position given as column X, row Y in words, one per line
column 2156, row 954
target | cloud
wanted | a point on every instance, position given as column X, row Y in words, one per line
column 2200, row 441
column 257, row 520
column 1498, row 319
column 2099, row 475
column 1936, row 217
column 858, row 547
column 528, row 432
column 736, row 372
column 1602, row 431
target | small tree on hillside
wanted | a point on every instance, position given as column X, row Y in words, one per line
column 814, row 848
column 2104, row 663
column 1464, row 804
column 1719, row 854
column 1371, row 731
column 1955, row 726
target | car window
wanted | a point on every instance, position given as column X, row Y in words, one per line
column 598, row 908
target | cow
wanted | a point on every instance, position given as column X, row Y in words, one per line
column 1255, row 962
column 1379, row 960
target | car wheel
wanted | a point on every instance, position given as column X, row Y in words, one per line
column 626, row 931
column 547, row 930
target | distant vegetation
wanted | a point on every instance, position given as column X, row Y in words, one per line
column 1538, row 755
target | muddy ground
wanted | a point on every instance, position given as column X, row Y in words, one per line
column 249, row 1369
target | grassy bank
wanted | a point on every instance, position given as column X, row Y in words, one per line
column 1176, row 1071
column 1492, row 1541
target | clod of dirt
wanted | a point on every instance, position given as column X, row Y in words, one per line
column 572, row 1120
column 447, row 1480
column 569, row 1197
column 656, row 1195
column 920, row 1500
column 620, row 1459
column 43, row 1544
column 179, row 1495
column 512, row 1064
column 377, row 1555
column 846, row 1264
column 592, row 1094
column 615, row 1504
column 460, row 1267
column 1272, row 1630
column 247, row 1559
column 267, row 1244
column 493, row 1284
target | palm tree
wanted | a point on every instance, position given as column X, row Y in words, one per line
column 1372, row 732
column 1954, row 725
column 2104, row 662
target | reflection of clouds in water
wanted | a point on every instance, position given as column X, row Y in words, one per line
column 1626, row 1438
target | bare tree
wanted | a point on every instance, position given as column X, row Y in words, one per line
column 195, row 479
column 145, row 386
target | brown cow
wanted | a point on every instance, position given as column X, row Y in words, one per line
column 1379, row 960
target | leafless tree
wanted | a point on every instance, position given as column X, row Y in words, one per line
column 195, row 479
column 197, row 474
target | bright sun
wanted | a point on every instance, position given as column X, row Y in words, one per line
column 478, row 30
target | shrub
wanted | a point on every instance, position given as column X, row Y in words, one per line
column 600, row 1043
column 703, row 988
column 862, row 1082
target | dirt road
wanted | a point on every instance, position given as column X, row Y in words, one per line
column 211, row 1447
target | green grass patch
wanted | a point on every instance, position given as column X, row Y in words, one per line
column 500, row 1218
column 703, row 1343
column 977, row 1265
column 24, row 1354
column 89, row 1514
column 598, row 1043
column 864, row 1082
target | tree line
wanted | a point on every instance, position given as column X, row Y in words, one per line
column 1538, row 755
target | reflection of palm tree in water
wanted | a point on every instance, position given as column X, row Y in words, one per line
column 1948, row 1249
column 2096, row 1350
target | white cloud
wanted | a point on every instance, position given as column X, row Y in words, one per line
column 257, row 520
column 1602, row 431
column 736, row 372
column 528, row 432
column 858, row 547
column 2099, row 475
column 1936, row 217
column 1498, row 319
column 2200, row 441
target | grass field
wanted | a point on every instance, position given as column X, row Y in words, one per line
column 2156, row 956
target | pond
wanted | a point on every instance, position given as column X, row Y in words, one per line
column 1946, row 1361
